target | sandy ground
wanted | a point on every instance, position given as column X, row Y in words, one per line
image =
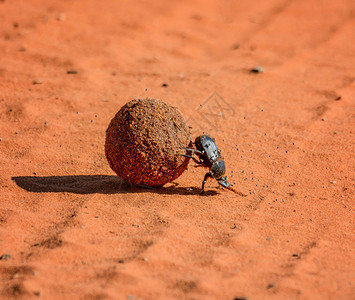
column 70, row 229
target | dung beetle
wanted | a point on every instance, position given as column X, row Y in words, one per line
column 209, row 157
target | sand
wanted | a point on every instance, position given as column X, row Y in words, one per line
column 70, row 229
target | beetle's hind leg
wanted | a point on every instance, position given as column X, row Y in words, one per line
column 198, row 152
column 193, row 150
column 208, row 175
column 194, row 158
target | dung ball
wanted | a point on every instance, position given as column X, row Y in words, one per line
column 144, row 140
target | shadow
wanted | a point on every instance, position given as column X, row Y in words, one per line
column 97, row 184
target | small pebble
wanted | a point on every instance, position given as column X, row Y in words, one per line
column 235, row 46
column 61, row 17
column 164, row 85
column 37, row 81
column 5, row 256
column 258, row 69
column 72, row 72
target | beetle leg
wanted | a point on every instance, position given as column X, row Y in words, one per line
column 195, row 160
column 187, row 156
column 194, row 150
column 208, row 174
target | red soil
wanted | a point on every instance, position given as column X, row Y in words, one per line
column 73, row 230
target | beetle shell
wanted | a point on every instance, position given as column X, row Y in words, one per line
column 208, row 146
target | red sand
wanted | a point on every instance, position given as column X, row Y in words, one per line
column 74, row 230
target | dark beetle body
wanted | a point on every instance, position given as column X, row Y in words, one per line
column 210, row 157
column 209, row 148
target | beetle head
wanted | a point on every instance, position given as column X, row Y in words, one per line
column 223, row 182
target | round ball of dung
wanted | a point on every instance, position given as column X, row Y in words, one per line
column 144, row 142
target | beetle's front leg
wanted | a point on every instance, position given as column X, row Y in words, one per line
column 208, row 174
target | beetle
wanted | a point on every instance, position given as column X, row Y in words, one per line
column 210, row 157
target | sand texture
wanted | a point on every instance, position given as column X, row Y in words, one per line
column 273, row 82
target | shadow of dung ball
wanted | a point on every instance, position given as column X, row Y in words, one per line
column 144, row 140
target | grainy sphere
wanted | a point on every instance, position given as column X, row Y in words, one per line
column 144, row 140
